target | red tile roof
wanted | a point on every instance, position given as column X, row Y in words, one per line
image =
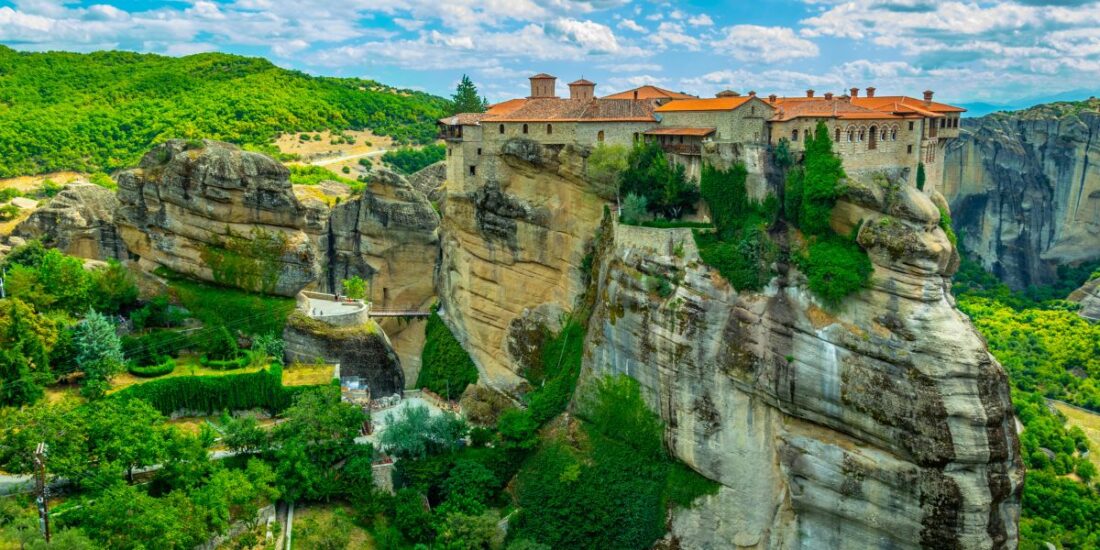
column 710, row 104
column 649, row 92
column 569, row 110
column 542, row 75
column 887, row 102
column 582, row 82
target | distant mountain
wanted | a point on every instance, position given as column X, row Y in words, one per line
column 100, row 111
column 979, row 108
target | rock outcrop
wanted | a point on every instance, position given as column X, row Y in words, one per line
column 1088, row 297
column 362, row 350
column 514, row 245
column 79, row 221
column 218, row 213
column 431, row 181
column 884, row 423
column 1024, row 189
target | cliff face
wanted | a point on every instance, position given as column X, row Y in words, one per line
column 1024, row 188
column 79, row 221
column 218, row 213
column 513, row 249
column 882, row 424
column 361, row 350
column 1088, row 296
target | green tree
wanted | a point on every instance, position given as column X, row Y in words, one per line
column 127, row 517
column 836, row 267
column 26, row 340
column 518, row 430
column 244, row 435
column 460, row 531
column 323, row 531
column 411, row 516
column 634, row 208
column 920, row 176
column 415, row 433
column 122, row 435
column 466, row 98
column 445, row 367
column 664, row 184
column 56, row 281
column 820, row 182
column 604, row 166
column 112, row 288
column 355, row 287
column 469, row 487
column 319, row 432
column 98, row 348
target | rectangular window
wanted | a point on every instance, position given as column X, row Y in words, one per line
column 479, row 151
column 910, row 125
column 910, row 150
column 473, row 170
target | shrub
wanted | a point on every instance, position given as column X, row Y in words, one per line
column 166, row 366
column 945, row 224
column 836, row 267
column 308, row 174
column 409, row 160
column 920, row 176
column 103, row 180
column 213, row 394
column 445, row 367
column 560, row 365
column 355, row 287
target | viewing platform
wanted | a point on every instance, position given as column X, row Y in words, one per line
column 349, row 312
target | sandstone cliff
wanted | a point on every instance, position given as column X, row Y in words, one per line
column 218, row 213
column 1088, row 297
column 362, row 350
column 883, row 424
column 514, row 248
column 79, row 221
column 1024, row 188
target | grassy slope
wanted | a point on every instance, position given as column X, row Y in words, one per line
column 101, row 111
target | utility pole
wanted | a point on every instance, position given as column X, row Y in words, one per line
column 41, row 489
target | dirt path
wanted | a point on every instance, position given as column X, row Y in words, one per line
column 345, row 158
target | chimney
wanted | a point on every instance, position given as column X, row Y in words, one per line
column 809, row 93
column 855, row 92
column 635, row 95
column 870, row 91
column 727, row 93
column 583, row 90
column 928, row 97
column 752, row 93
column 772, row 98
column 828, row 95
column 543, row 86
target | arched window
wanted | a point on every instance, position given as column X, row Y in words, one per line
column 851, row 134
column 837, row 136
column 525, row 128
column 883, row 136
column 794, row 134
column 599, row 136
column 873, row 141
column 549, row 129
column 502, row 128
column 859, row 137
column 894, row 134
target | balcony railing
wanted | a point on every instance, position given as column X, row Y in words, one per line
column 693, row 149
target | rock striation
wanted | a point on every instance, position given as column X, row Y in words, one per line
column 218, row 213
column 79, row 221
column 1088, row 297
column 513, row 246
column 1024, row 188
column 884, row 423
column 431, row 181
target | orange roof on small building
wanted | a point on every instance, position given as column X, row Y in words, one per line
column 701, row 132
column 709, row 104
column 582, row 82
column 649, row 92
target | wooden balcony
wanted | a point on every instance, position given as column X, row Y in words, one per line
column 689, row 149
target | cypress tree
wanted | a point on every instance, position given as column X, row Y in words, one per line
column 466, row 98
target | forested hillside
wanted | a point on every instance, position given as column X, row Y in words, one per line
column 100, row 111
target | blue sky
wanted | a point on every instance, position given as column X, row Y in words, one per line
column 1002, row 52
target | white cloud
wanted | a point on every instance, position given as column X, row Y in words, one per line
column 630, row 25
column 671, row 35
column 701, row 20
column 754, row 43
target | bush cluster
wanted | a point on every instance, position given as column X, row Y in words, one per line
column 445, row 367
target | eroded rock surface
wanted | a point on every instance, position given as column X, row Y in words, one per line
column 515, row 244
column 1088, row 297
column 79, row 221
column 1024, row 189
column 430, row 181
column 884, row 423
column 219, row 213
column 361, row 350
